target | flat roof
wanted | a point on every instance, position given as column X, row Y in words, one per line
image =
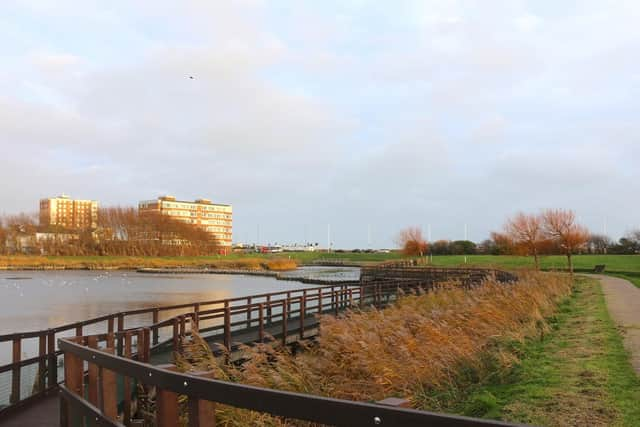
column 160, row 199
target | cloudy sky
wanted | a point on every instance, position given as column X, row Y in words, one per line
column 359, row 114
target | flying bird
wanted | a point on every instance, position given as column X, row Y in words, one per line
column 191, row 77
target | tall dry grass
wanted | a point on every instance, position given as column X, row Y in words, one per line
column 127, row 262
column 423, row 347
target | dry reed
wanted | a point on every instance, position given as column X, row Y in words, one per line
column 423, row 346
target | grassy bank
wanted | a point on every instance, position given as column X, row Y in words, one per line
column 124, row 262
column 616, row 264
column 578, row 375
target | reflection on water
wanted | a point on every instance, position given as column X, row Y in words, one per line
column 42, row 299
column 36, row 300
column 325, row 273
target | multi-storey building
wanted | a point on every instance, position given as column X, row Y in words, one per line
column 214, row 218
column 65, row 212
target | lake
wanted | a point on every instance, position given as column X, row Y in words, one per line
column 35, row 300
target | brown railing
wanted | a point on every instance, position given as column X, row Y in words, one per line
column 93, row 394
column 26, row 379
column 286, row 315
column 89, row 397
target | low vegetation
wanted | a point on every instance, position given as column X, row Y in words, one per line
column 428, row 348
column 126, row 262
column 578, row 375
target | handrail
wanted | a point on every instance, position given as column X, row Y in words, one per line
column 291, row 405
column 259, row 311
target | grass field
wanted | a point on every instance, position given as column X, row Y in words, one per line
column 578, row 375
column 625, row 266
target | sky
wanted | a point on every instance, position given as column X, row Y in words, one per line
column 370, row 116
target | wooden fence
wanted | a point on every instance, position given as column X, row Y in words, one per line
column 91, row 395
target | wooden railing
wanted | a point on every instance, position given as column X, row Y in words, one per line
column 91, row 395
column 15, row 391
column 267, row 314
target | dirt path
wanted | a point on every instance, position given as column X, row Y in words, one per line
column 623, row 301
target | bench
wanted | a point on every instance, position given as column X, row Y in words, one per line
column 599, row 268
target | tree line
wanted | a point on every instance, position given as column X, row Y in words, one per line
column 549, row 232
column 120, row 231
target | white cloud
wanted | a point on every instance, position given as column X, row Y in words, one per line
column 318, row 112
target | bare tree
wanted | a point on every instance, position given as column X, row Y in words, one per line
column 526, row 235
column 412, row 242
column 599, row 243
column 560, row 225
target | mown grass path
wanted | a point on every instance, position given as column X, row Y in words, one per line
column 578, row 375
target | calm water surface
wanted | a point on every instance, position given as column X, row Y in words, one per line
column 33, row 300
column 36, row 300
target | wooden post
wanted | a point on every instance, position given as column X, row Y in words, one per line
column 15, row 374
column 196, row 316
column 269, row 309
column 227, row 326
column 350, row 298
column 261, row 322
column 284, row 322
column 249, row 308
column 141, row 346
column 336, row 306
column 126, row 407
column 119, row 336
column 73, row 374
column 79, row 330
column 303, row 304
column 111, row 340
column 108, row 391
column 110, row 325
column 156, row 331
column 42, row 363
column 92, row 342
column 362, row 302
column 175, row 334
column 146, row 349
column 52, row 360
column 288, row 302
column 167, row 409
column 120, row 322
column 183, row 326
column 332, row 297
column 319, row 300
column 202, row 413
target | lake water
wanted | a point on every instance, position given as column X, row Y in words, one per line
column 34, row 300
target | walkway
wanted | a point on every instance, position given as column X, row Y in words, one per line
column 623, row 301
column 42, row 413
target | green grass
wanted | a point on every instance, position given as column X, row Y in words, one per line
column 615, row 263
column 579, row 374
column 625, row 266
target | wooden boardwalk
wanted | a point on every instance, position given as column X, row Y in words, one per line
column 286, row 316
column 44, row 412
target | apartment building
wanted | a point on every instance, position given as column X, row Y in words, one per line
column 214, row 218
column 69, row 213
